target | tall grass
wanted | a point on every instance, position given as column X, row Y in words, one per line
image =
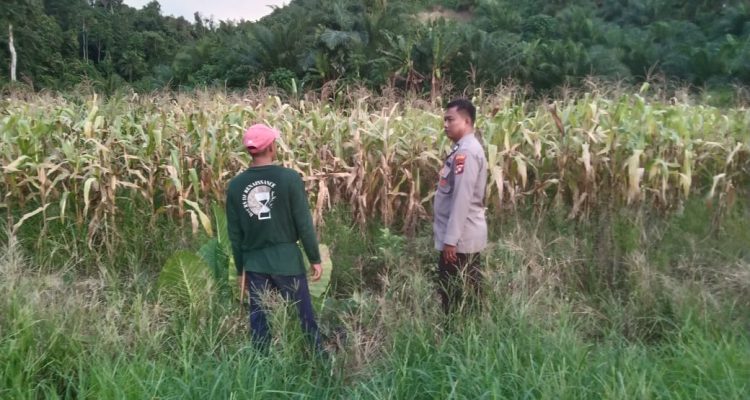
column 672, row 331
column 618, row 265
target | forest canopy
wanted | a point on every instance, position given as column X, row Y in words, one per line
column 410, row 45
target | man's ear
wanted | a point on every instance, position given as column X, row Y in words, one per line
column 467, row 118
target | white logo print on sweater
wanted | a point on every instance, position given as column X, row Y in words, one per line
column 257, row 199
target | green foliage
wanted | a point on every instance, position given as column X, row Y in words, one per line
column 542, row 44
column 460, row 5
column 349, row 250
column 390, row 246
column 283, row 78
column 185, row 278
column 674, row 328
column 216, row 257
column 626, row 232
column 538, row 26
column 728, row 232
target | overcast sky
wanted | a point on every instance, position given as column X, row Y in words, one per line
column 249, row 10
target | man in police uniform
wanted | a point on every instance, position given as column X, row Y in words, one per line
column 460, row 227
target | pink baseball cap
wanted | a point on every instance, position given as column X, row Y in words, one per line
column 258, row 137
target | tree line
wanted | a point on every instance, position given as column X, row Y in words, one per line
column 420, row 45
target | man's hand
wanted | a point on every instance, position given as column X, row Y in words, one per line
column 317, row 272
column 241, row 285
column 449, row 253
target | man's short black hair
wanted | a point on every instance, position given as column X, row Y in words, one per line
column 465, row 106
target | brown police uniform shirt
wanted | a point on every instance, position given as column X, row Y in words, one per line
column 459, row 199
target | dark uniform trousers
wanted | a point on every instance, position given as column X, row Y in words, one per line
column 294, row 289
column 459, row 282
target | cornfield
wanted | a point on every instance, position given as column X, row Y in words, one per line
column 80, row 160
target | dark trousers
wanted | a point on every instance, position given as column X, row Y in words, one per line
column 292, row 288
column 458, row 278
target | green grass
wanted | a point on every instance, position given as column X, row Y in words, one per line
column 674, row 324
column 508, row 358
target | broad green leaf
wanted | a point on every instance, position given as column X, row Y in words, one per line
column 217, row 260
column 185, row 278
column 222, row 234
column 205, row 222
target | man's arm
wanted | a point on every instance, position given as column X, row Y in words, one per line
column 466, row 172
column 303, row 220
column 234, row 229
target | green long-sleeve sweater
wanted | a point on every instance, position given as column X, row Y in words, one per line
column 267, row 213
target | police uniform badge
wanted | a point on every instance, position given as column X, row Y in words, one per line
column 459, row 167
column 444, row 172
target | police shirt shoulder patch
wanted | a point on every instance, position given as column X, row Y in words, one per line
column 459, row 166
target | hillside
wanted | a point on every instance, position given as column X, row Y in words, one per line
column 426, row 46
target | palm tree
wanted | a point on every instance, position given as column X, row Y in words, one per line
column 273, row 48
column 400, row 55
column 440, row 45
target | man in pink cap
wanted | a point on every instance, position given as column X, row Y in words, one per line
column 267, row 214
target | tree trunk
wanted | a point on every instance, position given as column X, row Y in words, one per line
column 85, row 44
column 433, row 86
column 12, row 54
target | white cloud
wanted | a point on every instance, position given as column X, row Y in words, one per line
column 250, row 10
